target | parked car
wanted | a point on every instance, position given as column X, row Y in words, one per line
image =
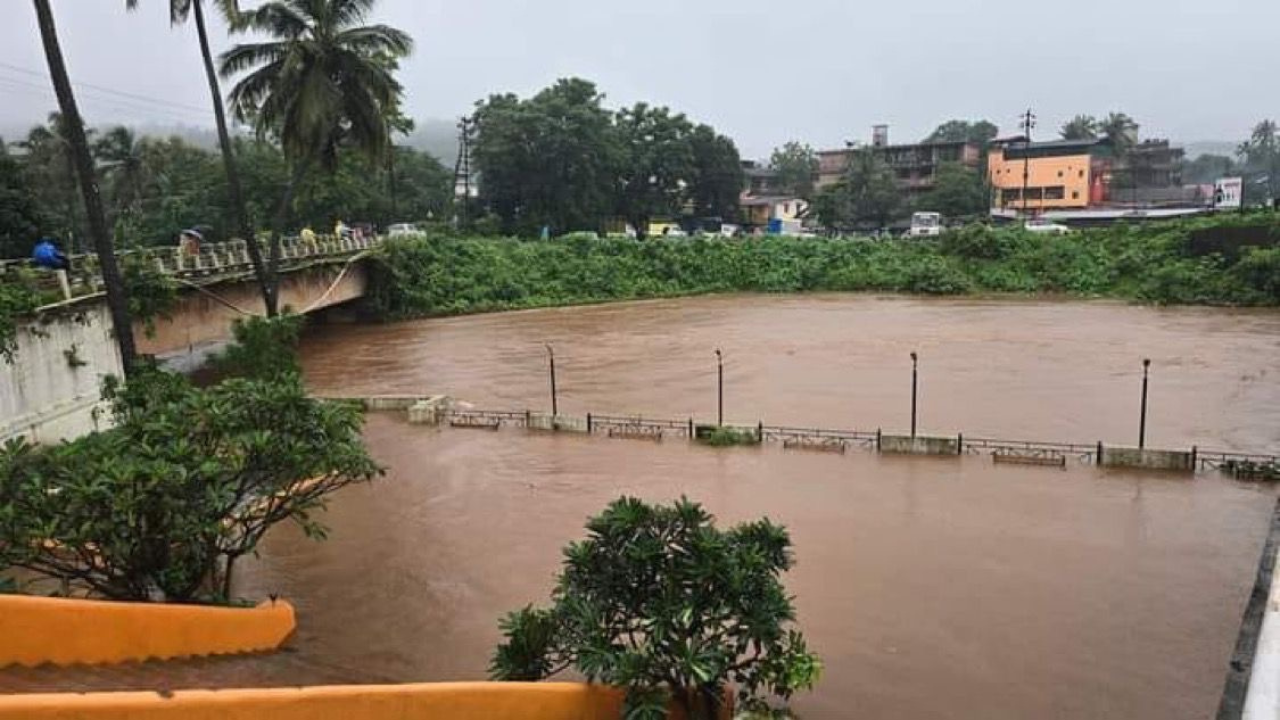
column 925, row 224
column 1038, row 225
column 402, row 230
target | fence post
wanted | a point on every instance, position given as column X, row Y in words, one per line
column 528, row 419
column 1194, row 453
column 760, row 432
column 960, row 443
column 588, row 423
column 690, row 428
column 1097, row 459
column 877, row 439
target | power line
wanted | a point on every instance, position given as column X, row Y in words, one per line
column 116, row 104
column 112, row 91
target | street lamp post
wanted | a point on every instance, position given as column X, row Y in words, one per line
column 719, row 388
column 555, row 406
column 1142, row 420
column 914, row 382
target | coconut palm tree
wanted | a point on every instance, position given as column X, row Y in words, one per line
column 179, row 12
column 120, row 157
column 1080, row 127
column 1121, row 130
column 73, row 127
column 322, row 81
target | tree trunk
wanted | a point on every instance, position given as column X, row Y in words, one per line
column 277, row 230
column 117, row 301
column 239, row 218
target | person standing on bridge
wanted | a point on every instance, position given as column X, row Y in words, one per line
column 189, row 241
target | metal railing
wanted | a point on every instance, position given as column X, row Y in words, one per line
column 214, row 262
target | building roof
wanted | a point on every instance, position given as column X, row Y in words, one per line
column 762, row 200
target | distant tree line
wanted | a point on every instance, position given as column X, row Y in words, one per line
column 562, row 162
column 153, row 188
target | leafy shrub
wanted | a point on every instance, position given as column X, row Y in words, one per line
column 186, row 483
column 661, row 602
column 723, row 436
column 264, row 348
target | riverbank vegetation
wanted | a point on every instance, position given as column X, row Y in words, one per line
column 1156, row 262
column 186, row 481
column 659, row 601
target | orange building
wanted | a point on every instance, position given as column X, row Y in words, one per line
column 1059, row 175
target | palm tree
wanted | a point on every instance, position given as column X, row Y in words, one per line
column 1121, row 130
column 1080, row 127
column 117, row 301
column 322, row 81
column 120, row 156
column 179, row 12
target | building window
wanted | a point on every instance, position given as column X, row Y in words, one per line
column 1059, row 173
column 1081, row 173
column 1009, row 195
column 1075, row 194
column 1056, row 192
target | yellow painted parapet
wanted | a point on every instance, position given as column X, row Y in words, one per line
column 454, row 701
column 36, row 630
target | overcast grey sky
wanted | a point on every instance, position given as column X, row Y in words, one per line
column 763, row 72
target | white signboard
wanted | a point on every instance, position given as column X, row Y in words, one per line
column 1228, row 193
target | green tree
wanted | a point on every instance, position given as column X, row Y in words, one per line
column 1261, row 157
column 179, row 12
column 866, row 195
column 661, row 602
column 958, row 191
column 797, row 167
column 656, row 161
column 119, row 156
column 1121, row 130
column 718, row 178
column 1080, row 127
column 117, row 302
column 1207, row 168
column 49, row 171
column 549, row 161
column 187, row 482
column 322, row 81
column 21, row 217
column 980, row 132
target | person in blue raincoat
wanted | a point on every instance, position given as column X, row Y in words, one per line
column 47, row 255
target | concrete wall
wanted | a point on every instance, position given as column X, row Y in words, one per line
column 44, row 398
column 200, row 321
column 37, row 630
column 451, row 701
column 919, row 445
column 1123, row 457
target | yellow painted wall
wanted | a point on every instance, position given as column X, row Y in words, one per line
column 36, row 630
column 1072, row 172
column 446, row 701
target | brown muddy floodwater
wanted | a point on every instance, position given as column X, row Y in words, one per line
column 932, row 588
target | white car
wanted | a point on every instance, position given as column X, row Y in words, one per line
column 1045, row 226
column 402, row 230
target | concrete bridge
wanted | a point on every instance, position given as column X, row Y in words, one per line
column 51, row 389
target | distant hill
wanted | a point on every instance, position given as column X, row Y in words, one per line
column 438, row 137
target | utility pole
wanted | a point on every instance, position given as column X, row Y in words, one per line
column 914, row 382
column 462, row 169
column 719, row 388
column 555, row 405
column 1142, row 421
column 1028, row 122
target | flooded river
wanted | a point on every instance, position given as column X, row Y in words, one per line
column 932, row 588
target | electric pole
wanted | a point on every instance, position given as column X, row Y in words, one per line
column 1028, row 122
column 462, row 169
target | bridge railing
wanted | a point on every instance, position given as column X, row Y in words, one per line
column 213, row 260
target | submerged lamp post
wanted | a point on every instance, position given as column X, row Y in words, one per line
column 1142, row 420
column 914, row 378
column 551, row 356
column 719, row 388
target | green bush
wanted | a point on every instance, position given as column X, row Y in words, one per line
column 661, row 602
column 264, row 348
column 1150, row 262
column 162, row 505
column 723, row 436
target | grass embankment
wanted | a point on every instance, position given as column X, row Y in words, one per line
column 1150, row 263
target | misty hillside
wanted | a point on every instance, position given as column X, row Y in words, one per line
column 433, row 135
